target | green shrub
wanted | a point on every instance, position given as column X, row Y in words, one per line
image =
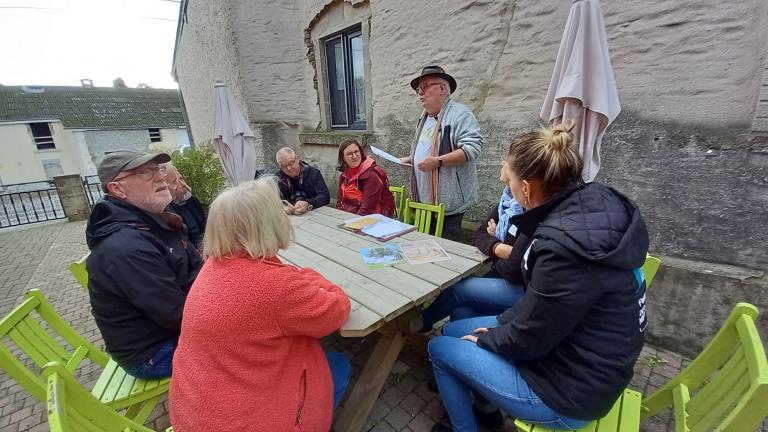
column 202, row 171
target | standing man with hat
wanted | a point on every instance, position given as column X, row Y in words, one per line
column 141, row 265
column 444, row 150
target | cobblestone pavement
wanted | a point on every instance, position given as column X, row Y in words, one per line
column 37, row 257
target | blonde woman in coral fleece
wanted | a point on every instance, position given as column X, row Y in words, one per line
column 249, row 355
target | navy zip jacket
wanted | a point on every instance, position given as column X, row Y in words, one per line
column 309, row 186
column 577, row 331
column 140, row 269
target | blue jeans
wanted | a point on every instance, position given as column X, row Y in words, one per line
column 341, row 370
column 159, row 366
column 471, row 297
column 462, row 367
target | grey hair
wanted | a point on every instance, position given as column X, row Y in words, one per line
column 446, row 86
column 286, row 151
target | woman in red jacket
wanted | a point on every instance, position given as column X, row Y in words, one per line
column 249, row 355
column 363, row 185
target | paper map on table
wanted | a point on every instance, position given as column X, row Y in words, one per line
column 423, row 251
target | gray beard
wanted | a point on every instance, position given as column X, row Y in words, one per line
column 187, row 195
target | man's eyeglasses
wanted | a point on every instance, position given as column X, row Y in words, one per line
column 145, row 173
column 424, row 87
column 289, row 163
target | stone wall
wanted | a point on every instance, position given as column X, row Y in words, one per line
column 208, row 51
column 690, row 146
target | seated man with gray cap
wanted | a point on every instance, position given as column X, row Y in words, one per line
column 141, row 265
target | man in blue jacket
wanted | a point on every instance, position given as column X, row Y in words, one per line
column 141, row 264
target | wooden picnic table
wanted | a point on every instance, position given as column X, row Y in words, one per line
column 380, row 296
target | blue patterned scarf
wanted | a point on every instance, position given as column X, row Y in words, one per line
column 508, row 207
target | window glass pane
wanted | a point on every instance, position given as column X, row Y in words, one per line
column 358, row 78
column 334, row 52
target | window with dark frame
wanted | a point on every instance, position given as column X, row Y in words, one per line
column 43, row 136
column 346, row 80
column 154, row 135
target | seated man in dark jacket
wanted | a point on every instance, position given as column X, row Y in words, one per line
column 302, row 187
column 186, row 205
column 141, row 265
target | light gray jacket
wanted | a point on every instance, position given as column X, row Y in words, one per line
column 458, row 185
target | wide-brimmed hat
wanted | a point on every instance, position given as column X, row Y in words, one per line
column 125, row 160
column 437, row 71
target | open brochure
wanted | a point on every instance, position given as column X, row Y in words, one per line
column 423, row 251
column 378, row 226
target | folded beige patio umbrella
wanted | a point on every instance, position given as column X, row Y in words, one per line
column 232, row 137
column 583, row 88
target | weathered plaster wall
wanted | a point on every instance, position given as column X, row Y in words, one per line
column 206, row 52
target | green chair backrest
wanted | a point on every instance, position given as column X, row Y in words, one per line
column 39, row 335
column 650, row 267
column 423, row 215
column 725, row 388
column 72, row 409
column 79, row 271
column 398, row 193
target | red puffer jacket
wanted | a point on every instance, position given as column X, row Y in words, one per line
column 365, row 190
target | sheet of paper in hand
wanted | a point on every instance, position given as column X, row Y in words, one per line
column 423, row 251
column 382, row 256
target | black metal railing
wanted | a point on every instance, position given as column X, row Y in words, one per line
column 93, row 189
column 26, row 203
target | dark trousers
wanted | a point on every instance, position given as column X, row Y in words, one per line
column 451, row 227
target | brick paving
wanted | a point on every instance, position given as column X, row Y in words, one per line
column 37, row 257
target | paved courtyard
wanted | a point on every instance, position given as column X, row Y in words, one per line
column 37, row 257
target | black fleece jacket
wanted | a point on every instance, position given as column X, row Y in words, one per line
column 508, row 268
column 577, row 331
column 140, row 270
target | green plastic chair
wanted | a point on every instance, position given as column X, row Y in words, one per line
column 624, row 416
column 650, row 268
column 423, row 215
column 398, row 193
column 725, row 388
column 42, row 336
column 79, row 271
column 72, row 409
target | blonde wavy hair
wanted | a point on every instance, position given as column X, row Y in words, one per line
column 247, row 220
column 548, row 156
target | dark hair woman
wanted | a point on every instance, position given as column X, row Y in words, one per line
column 563, row 353
column 363, row 185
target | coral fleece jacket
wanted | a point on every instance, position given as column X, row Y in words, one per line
column 249, row 355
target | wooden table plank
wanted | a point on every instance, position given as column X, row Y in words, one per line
column 452, row 247
column 436, row 275
column 378, row 298
column 396, row 280
column 433, row 272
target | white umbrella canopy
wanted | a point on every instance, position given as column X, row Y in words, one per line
column 583, row 88
column 232, row 137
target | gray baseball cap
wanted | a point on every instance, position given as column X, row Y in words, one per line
column 125, row 160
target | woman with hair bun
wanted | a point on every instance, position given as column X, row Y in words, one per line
column 563, row 353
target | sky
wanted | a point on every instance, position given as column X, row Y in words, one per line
column 58, row 42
